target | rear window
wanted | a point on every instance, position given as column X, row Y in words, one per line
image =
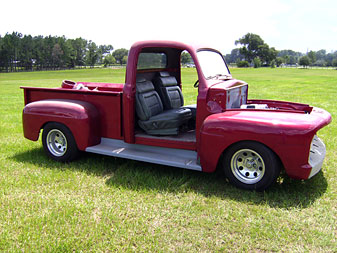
column 152, row 61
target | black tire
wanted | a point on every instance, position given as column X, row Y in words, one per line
column 59, row 143
column 251, row 166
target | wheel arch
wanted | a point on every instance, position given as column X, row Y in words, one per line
column 250, row 165
column 243, row 141
column 59, row 143
column 80, row 117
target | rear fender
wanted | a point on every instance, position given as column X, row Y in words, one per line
column 82, row 118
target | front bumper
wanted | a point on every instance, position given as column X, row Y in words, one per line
column 316, row 156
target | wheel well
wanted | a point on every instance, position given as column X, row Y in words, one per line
column 218, row 168
column 51, row 122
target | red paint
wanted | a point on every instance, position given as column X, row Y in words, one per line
column 108, row 110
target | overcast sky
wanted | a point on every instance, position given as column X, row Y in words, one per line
column 299, row 25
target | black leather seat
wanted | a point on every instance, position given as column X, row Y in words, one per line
column 170, row 93
column 150, row 111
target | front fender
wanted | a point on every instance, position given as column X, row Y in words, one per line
column 288, row 134
column 79, row 116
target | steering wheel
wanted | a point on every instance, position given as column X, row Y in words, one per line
column 196, row 84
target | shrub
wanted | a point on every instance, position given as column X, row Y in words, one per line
column 243, row 64
column 257, row 62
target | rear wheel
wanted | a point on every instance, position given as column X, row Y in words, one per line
column 59, row 143
column 251, row 166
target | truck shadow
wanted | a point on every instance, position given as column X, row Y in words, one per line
column 140, row 176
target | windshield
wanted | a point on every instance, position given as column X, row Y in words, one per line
column 212, row 64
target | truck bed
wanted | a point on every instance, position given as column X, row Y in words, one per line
column 107, row 98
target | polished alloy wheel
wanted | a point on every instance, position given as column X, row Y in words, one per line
column 247, row 166
column 56, row 142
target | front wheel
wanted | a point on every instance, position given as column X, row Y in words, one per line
column 59, row 143
column 251, row 166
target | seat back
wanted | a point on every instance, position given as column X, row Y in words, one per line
column 148, row 102
column 169, row 91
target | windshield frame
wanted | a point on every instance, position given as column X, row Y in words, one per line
column 215, row 75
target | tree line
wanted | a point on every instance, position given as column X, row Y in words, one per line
column 255, row 52
column 25, row 52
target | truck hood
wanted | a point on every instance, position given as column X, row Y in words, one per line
column 272, row 121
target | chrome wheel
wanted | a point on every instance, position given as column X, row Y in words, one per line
column 56, row 142
column 247, row 166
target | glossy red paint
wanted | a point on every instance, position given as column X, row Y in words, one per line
column 288, row 134
column 80, row 117
column 155, row 141
column 107, row 103
column 108, row 110
column 173, row 50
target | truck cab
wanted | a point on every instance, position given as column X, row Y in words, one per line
column 146, row 119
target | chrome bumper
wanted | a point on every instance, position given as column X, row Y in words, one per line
column 316, row 156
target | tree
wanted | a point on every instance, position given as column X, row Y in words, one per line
column 57, row 56
column 266, row 54
column 257, row 62
column 79, row 46
column 254, row 46
column 234, row 56
column 92, row 54
column 11, row 50
column 120, row 55
column 186, row 58
column 109, row 60
column 103, row 51
column 289, row 56
column 304, row 61
column 125, row 59
column 312, row 56
column 279, row 61
column 242, row 64
column 334, row 62
column 251, row 44
column 26, row 54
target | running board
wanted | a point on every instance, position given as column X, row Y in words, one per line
column 180, row 158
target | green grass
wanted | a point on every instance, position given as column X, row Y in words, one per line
column 101, row 203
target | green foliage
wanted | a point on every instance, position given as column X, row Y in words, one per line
column 257, row 62
column 242, row 64
column 253, row 46
column 109, row 60
column 304, row 61
column 334, row 63
column 121, row 55
column 278, row 61
column 92, row 54
column 102, row 204
column 19, row 52
column 312, row 56
column 186, row 58
column 234, row 56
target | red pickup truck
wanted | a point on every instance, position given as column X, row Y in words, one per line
column 145, row 119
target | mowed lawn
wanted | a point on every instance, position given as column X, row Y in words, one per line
column 100, row 203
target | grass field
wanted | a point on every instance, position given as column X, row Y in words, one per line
column 101, row 203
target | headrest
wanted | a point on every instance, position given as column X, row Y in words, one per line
column 144, row 86
column 167, row 81
column 164, row 74
column 140, row 79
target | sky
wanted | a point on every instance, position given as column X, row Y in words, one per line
column 300, row 25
